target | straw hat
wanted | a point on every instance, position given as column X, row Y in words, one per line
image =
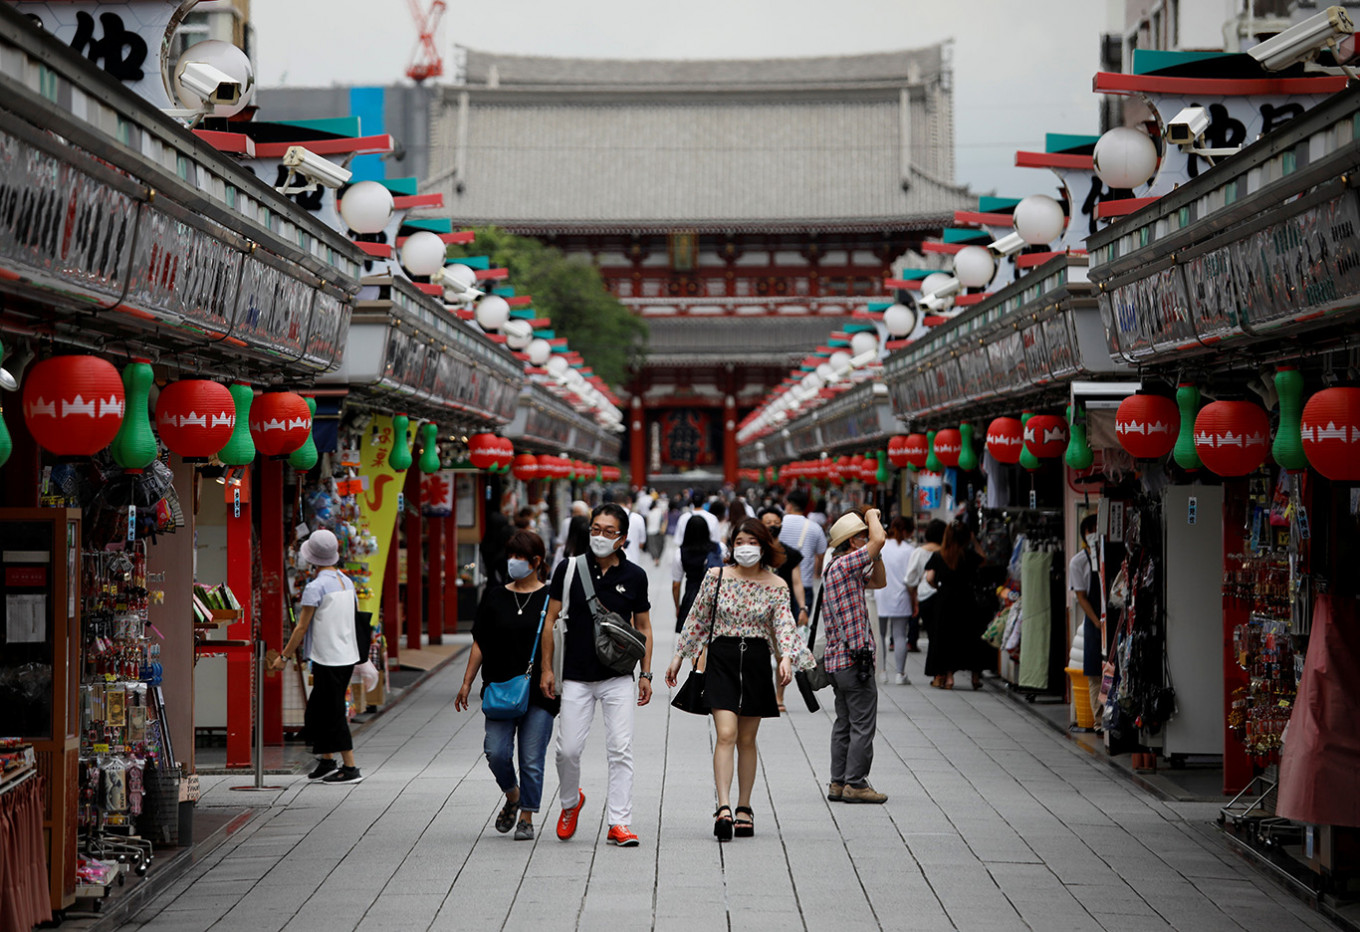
column 846, row 527
column 321, row 548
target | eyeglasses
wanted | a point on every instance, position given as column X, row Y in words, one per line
column 597, row 531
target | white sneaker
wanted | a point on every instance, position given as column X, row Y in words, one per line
column 901, row 680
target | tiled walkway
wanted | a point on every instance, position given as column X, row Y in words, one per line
column 994, row 822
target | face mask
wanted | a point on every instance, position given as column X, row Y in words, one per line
column 775, row 529
column 519, row 568
column 601, row 546
column 1092, row 540
column 746, row 554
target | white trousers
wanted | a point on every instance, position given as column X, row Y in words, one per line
column 618, row 696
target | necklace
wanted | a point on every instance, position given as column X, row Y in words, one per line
column 520, row 605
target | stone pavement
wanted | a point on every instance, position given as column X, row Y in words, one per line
column 994, row 822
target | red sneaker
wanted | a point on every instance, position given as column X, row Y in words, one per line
column 566, row 822
column 621, row 836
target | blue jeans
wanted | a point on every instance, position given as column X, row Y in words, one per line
column 535, row 729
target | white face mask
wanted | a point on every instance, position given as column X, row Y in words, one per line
column 601, row 546
column 1092, row 541
column 518, row 568
column 746, row 554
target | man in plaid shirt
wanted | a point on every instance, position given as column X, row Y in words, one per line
column 855, row 545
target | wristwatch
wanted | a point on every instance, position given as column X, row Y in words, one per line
column 645, row 676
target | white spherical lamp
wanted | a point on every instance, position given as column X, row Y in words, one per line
column 464, row 275
column 973, row 267
column 1125, row 157
column 423, row 253
column 900, row 320
column 492, row 312
column 863, row 342
column 827, row 374
column 840, row 362
column 518, row 333
column 812, row 382
column 558, row 366
column 935, row 280
column 366, row 207
column 227, row 59
column 1039, row 219
column 539, row 350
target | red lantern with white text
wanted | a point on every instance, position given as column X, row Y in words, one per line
column 1146, row 425
column 1232, row 438
column 526, row 467
column 195, row 418
column 916, row 450
column 1045, row 436
column 897, row 451
column 73, row 405
column 1331, row 433
column 482, row 450
column 505, row 453
column 948, row 446
column 280, row 423
column 1005, row 439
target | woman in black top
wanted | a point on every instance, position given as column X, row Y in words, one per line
column 503, row 638
column 773, row 518
column 696, row 556
column 956, row 628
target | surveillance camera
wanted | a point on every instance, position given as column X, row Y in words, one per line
column 1187, row 126
column 211, row 85
column 314, row 168
column 948, row 289
column 1008, row 245
column 931, row 303
column 1304, row 40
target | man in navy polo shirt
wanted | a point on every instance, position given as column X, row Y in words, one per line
column 621, row 587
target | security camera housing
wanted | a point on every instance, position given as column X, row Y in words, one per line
column 1303, row 41
column 318, row 171
column 1187, row 126
column 1008, row 245
column 211, row 85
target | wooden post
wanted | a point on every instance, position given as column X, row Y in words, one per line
column 730, row 441
column 451, row 572
column 435, row 591
column 240, row 568
column 637, row 460
column 272, row 592
column 414, row 555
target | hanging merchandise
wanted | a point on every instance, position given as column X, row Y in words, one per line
column 195, row 418
column 933, row 462
column 1330, row 433
column 968, row 458
column 1079, row 455
column 1288, row 446
column 1045, row 436
column 429, row 453
column 947, row 446
column 280, row 423
column 1005, row 439
column 1231, row 437
column 1185, row 454
column 240, row 449
column 134, row 446
column 73, row 405
column 304, row 457
column 1146, row 426
column 400, row 458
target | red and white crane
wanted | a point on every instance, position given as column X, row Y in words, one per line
column 426, row 62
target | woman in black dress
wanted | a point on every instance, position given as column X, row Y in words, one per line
column 956, row 622
column 696, row 555
column 503, row 638
column 773, row 518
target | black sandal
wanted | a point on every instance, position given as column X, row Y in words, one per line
column 744, row 828
column 722, row 824
column 506, row 820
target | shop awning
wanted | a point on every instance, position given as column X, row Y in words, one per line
column 545, row 424
column 856, row 421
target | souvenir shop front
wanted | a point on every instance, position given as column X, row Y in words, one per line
column 139, row 273
column 1236, row 296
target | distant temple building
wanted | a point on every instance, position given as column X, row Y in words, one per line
column 744, row 208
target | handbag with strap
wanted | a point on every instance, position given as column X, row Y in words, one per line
column 509, row 699
column 690, row 697
column 809, row 681
column 618, row 645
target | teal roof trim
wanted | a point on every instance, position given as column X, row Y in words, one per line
column 1147, row 61
column 433, row 224
column 996, row 205
column 1066, row 142
column 400, row 187
column 347, row 126
column 472, row 262
column 958, row 235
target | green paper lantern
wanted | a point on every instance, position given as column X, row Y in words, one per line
column 304, row 457
column 774, row 473
column 1187, row 399
column 933, row 463
column 240, row 449
column 400, row 460
column 883, row 472
column 1079, row 455
column 134, row 446
column 1027, row 459
column 968, row 458
column 429, row 454
column 1288, row 446
column 6, row 444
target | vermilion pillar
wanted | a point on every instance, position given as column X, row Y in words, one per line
column 451, row 572
column 390, row 612
column 414, row 558
column 435, row 597
column 240, row 565
column 730, row 440
column 272, row 594
column 637, row 455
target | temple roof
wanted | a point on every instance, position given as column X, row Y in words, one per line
column 578, row 145
column 777, row 341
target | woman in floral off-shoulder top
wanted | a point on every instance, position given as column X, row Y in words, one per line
column 750, row 621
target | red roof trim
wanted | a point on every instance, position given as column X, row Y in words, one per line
column 1122, row 207
column 965, row 300
column 492, row 274
column 381, row 250
column 946, row 248
column 911, row 284
column 992, row 220
column 1030, row 260
column 412, row 201
column 430, row 288
column 446, row 237
column 345, row 146
column 1053, row 160
column 228, row 142
column 520, row 300
column 1109, row 82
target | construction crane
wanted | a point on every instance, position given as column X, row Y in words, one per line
column 426, row 62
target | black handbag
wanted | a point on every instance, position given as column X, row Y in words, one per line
column 809, row 681
column 690, row 697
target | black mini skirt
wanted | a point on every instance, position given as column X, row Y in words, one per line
column 739, row 677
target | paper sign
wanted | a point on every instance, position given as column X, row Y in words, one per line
column 25, row 619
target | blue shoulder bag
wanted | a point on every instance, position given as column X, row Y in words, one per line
column 509, row 699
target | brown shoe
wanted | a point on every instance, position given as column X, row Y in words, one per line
column 864, row 794
column 835, row 792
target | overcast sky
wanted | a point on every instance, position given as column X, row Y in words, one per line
column 1021, row 68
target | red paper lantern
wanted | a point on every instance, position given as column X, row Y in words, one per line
column 280, row 423
column 1232, row 438
column 916, row 450
column 1005, row 439
column 1331, row 433
column 73, row 405
column 868, row 470
column 195, row 418
column 505, row 453
column 897, row 451
column 1146, row 425
column 1045, row 436
column 526, row 466
column 948, row 446
column 482, row 450
column 844, row 470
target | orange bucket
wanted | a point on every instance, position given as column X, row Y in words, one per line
column 1081, row 698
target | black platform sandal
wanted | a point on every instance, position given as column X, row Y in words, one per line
column 744, row 828
column 722, row 824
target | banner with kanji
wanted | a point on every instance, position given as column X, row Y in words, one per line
column 378, row 502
